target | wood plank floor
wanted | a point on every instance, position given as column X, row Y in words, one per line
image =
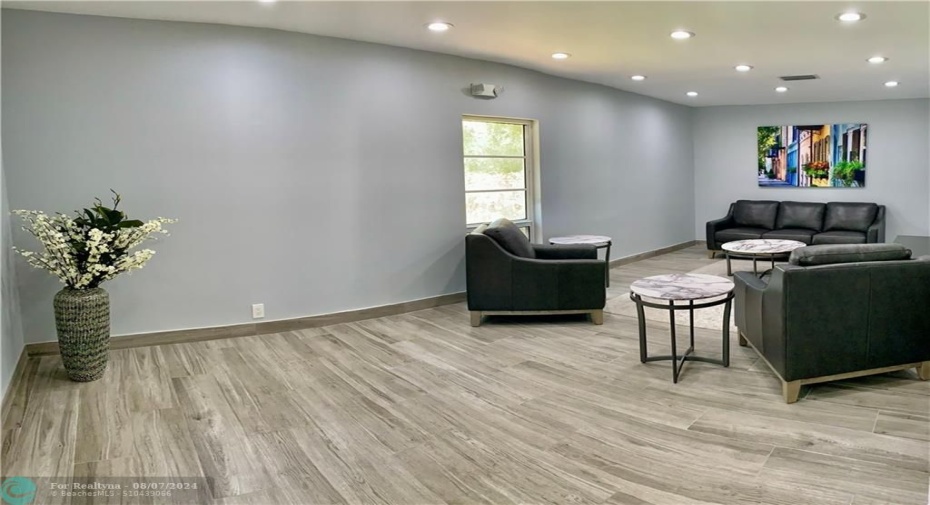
column 421, row 408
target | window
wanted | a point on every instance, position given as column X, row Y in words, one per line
column 500, row 171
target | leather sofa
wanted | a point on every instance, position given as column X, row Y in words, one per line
column 809, row 222
column 836, row 312
column 507, row 275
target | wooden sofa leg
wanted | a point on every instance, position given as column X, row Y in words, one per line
column 742, row 340
column 791, row 390
column 711, row 254
column 597, row 316
column 476, row 318
column 923, row 371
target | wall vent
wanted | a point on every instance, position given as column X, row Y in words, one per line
column 809, row 77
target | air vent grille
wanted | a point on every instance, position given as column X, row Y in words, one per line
column 809, row 77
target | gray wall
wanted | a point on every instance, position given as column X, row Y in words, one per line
column 11, row 331
column 897, row 174
column 312, row 174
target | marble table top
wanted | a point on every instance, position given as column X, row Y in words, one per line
column 682, row 286
column 762, row 246
column 598, row 240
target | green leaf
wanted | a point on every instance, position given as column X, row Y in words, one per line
column 132, row 223
column 101, row 216
column 113, row 216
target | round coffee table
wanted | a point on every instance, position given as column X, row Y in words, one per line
column 598, row 241
column 758, row 248
column 682, row 288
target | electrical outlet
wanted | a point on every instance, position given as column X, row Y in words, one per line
column 258, row 310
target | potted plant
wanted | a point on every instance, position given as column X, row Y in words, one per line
column 859, row 175
column 842, row 174
column 84, row 252
column 845, row 172
column 817, row 169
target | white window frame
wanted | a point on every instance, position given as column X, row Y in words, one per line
column 530, row 167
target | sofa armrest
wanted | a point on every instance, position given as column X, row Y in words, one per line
column 876, row 232
column 558, row 284
column 565, row 252
column 774, row 321
column 749, row 281
column 748, row 306
column 488, row 269
column 716, row 225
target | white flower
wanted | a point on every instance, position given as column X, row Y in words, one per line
column 80, row 260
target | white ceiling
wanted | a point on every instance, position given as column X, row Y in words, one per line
column 610, row 41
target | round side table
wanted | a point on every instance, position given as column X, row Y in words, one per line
column 598, row 241
column 685, row 289
column 759, row 248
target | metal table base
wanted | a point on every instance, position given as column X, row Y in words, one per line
column 754, row 258
column 678, row 362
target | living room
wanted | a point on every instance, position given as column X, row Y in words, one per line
column 311, row 330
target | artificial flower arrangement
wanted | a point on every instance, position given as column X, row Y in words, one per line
column 91, row 248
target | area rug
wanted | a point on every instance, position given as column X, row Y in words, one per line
column 710, row 318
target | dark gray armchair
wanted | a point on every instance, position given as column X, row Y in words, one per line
column 507, row 275
column 836, row 312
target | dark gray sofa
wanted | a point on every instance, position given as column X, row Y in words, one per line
column 836, row 312
column 809, row 222
column 507, row 275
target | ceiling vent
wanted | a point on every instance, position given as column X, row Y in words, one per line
column 810, row 77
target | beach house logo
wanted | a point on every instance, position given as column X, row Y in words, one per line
column 18, row 491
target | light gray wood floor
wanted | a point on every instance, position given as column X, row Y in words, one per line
column 421, row 408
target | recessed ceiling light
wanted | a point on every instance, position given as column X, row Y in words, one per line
column 781, row 89
column 560, row 56
column 877, row 59
column 743, row 68
column 681, row 35
column 891, row 84
column 638, row 77
column 439, row 26
column 850, row 17
column 692, row 93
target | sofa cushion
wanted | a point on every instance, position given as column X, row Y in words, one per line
column 731, row 234
column 508, row 236
column 806, row 215
column 480, row 229
column 848, row 253
column 755, row 213
column 849, row 216
column 798, row 234
column 839, row 237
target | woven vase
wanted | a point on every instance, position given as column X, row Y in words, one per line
column 82, row 317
